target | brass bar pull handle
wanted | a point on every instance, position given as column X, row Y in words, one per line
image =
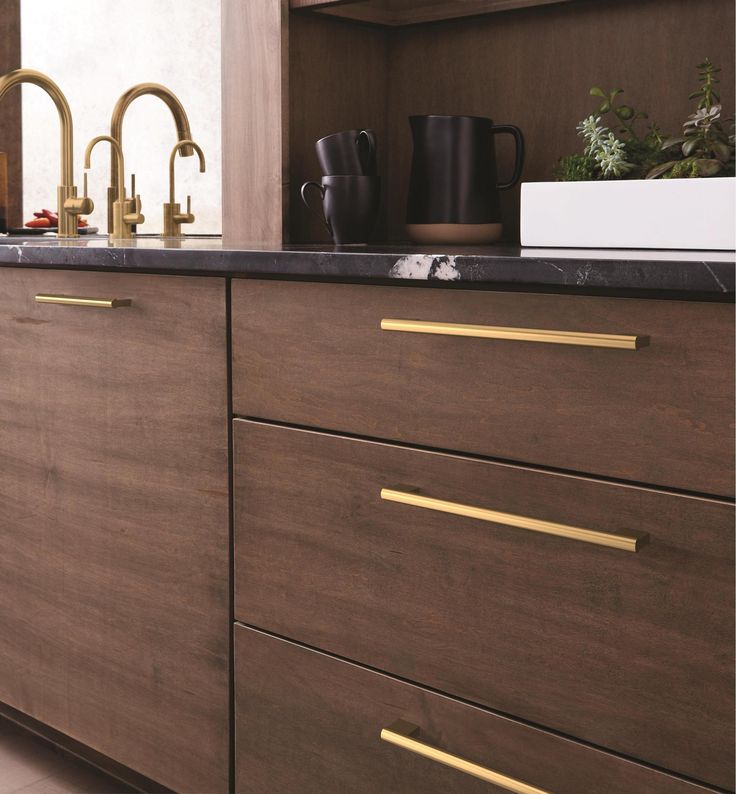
column 620, row 341
column 72, row 300
column 403, row 734
column 631, row 542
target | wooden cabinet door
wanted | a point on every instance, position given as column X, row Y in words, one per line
column 114, row 617
column 467, row 592
column 343, row 357
column 309, row 723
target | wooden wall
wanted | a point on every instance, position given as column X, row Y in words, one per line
column 255, row 121
column 338, row 78
column 10, row 110
column 531, row 67
column 534, row 67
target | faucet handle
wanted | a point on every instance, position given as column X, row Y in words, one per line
column 75, row 205
column 185, row 217
column 133, row 216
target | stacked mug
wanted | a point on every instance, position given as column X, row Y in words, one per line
column 350, row 188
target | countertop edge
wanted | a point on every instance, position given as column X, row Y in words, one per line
column 705, row 275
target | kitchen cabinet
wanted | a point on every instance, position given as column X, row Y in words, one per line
column 345, row 358
column 261, row 534
column 114, row 517
column 311, row 723
column 307, row 68
column 517, row 500
column 628, row 647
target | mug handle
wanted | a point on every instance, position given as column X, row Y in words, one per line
column 519, row 157
column 368, row 168
column 322, row 190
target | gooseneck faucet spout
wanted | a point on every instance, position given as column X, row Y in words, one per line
column 173, row 216
column 116, row 129
column 69, row 206
column 126, row 212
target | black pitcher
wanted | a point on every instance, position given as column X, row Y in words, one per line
column 454, row 190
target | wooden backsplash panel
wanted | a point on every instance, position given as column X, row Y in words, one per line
column 337, row 81
column 10, row 110
column 534, row 68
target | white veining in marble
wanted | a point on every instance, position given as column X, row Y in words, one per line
column 426, row 266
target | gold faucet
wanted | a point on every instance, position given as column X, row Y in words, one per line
column 116, row 131
column 126, row 213
column 68, row 204
column 173, row 217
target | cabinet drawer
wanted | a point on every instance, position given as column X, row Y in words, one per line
column 630, row 650
column 316, row 355
column 307, row 722
column 114, row 603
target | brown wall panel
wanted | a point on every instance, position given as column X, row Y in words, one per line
column 534, row 67
column 10, row 110
column 338, row 77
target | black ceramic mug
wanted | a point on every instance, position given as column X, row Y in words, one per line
column 349, row 204
column 454, row 188
column 349, row 152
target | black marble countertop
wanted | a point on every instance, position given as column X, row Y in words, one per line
column 702, row 273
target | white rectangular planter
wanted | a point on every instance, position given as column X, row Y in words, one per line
column 637, row 213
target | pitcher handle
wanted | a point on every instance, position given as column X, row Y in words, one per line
column 519, row 157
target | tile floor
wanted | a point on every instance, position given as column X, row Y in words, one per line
column 28, row 765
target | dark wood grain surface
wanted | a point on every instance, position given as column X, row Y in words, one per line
column 11, row 140
column 315, row 355
column 308, row 723
column 631, row 651
column 337, row 81
column 534, row 68
column 114, row 619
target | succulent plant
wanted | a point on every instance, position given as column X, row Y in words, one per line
column 705, row 148
column 607, row 152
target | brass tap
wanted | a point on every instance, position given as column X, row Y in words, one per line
column 173, row 217
column 68, row 204
column 126, row 212
column 116, row 130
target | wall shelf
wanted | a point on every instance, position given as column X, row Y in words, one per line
column 400, row 13
column 294, row 71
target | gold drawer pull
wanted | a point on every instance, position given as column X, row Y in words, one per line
column 403, row 734
column 98, row 303
column 632, row 542
column 518, row 334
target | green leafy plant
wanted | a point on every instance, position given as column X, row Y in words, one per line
column 606, row 155
column 705, row 148
column 625, row 114
column 621, row 151
column 607, row 151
